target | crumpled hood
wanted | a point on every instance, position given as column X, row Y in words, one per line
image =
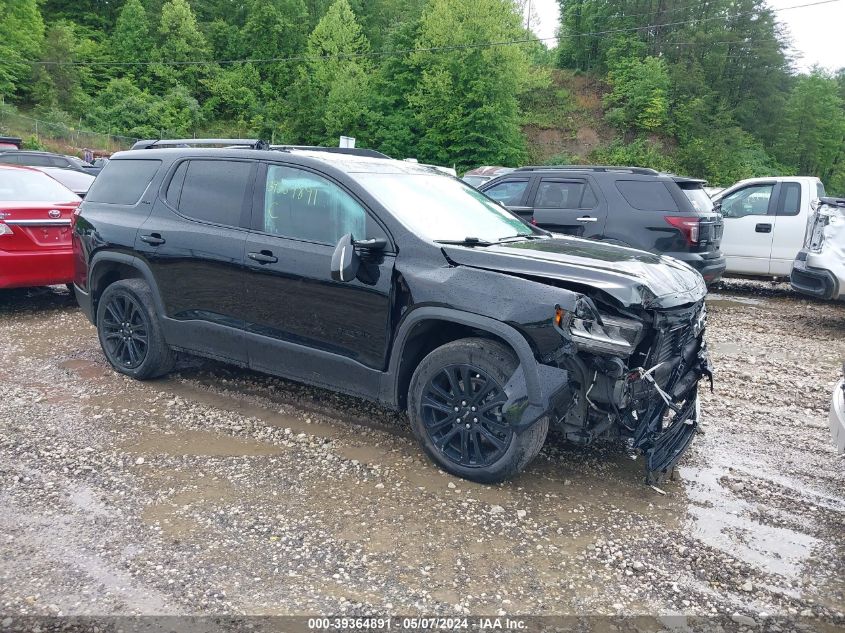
column 630, row 276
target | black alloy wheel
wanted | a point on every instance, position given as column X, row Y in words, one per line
column 125, row 332
column 462, row 413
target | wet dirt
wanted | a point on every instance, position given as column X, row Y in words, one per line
column 218, row 490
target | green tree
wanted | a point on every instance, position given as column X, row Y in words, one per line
column 274, row 30
column 639, row 96
column 813, row 132
column 130, row 40
column 466, row 99
column 332, row 94
column 180, row 41
column 23, row 34
column 63, row 80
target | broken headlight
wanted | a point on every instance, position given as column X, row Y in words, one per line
column 594, row 332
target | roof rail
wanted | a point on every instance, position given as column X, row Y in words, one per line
column 248, row 143
column 633, row 170
column 352, row 151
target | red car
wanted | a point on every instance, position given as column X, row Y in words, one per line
column 35, row 228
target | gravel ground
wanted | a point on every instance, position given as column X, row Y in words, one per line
column 222, row 491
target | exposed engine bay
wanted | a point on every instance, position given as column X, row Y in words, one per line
column 636, row 380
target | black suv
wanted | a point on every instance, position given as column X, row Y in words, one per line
column 628, row 206
column 35, row 158
column 393, row 282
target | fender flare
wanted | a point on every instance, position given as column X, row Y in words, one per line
column 104, row 257
column 533, row 384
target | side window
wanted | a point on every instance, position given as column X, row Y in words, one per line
column 301, row 205
column 564, row 195
column 174, row 189
column 9, row 158
column 790, row 199
column 647, row 195
column 35, row 160
column 753, row 200
column 123, row 181
column 509, row 192
column 214, row 190
column 56, row 161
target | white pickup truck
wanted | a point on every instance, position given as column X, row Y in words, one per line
column 765, row 220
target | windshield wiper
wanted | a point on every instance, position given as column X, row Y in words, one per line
column 467, row 241
column 521, row 236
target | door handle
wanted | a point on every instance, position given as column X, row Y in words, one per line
column 153, row 238
column 763, row 228
column 264, row 257
column 587, row 218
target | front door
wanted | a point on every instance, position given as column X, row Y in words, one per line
column 748, row 215
column 570, row 206
column 303, row 324
column 512, row 193
column 194, row 243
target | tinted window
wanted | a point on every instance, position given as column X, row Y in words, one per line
column 699, row 199
column 304, row 206
column 753, row 200
column 37, row 160
column 123, row 181
column 56, row 161
column 564, row 195
column 509, row 192
column 214, row 190
column 10, row 158
column 174, row 189
column 647, row 195
column 790, row 199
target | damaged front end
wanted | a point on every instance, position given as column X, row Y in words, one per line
column 634, row 377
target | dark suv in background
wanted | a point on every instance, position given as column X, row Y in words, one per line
column 34, row 158
column 628, row 206
column 393, row 282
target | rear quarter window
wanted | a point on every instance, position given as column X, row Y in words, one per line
column 647, row 195
column 123, row 181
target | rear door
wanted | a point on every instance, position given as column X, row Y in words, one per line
column 194, row 243
column 570, row 206
column 789, row 226
column 748, row 217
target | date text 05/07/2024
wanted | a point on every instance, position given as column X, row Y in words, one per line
column 416, row 624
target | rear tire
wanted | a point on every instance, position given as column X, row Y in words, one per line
column 129, row 331
column 474, row 442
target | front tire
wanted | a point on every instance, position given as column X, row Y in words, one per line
column 129, row 331
column 455, row 407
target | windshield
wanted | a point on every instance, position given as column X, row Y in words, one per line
column 442, row 208
column 23, row 185
column 701, row 202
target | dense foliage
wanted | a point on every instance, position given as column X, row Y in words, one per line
column 705, row 88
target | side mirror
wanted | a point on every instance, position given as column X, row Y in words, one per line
column 373, row 244
column 345, row 260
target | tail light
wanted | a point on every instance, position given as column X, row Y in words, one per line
column 5, row 229
column 74, row 216
column 686, row 225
